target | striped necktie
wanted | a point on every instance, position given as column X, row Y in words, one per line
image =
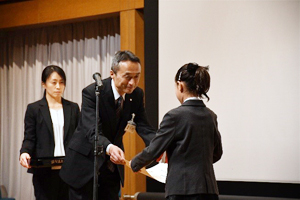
column 119, row 106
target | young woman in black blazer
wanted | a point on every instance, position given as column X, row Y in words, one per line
column 189, row 134
column 49, row 125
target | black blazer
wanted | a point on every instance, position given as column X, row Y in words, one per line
column 191, row 138
column 38, row 133
column 78, row 166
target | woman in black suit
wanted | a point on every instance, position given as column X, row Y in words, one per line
column 49, row 125
column 190, row 136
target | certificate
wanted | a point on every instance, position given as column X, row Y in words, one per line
column 157, row 172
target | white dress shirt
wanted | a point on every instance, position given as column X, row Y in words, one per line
column 57, row 117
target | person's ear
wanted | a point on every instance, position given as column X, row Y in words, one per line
column 43, row 85
column 112, row 74
column 180, row 86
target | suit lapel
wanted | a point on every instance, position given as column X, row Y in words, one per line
column 108, row 101
column 67, row 112
column 46, row 114
column 126, row 109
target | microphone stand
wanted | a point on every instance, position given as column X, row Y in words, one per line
column 98, row 149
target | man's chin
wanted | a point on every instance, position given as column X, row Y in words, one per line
column 129, row 91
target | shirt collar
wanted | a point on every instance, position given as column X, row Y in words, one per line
column 115, row 92
column 191, row 98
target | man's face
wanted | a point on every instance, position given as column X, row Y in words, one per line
column 127, row 78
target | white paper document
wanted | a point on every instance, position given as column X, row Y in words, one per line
column 159, row 172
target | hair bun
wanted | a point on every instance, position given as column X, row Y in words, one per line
column 192, row 67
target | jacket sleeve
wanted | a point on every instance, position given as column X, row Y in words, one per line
column 164, row 137
column 144, row 129
column 77, row 114
column 218, row 150
column 29, row 140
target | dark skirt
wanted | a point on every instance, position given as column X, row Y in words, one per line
column 48, row 185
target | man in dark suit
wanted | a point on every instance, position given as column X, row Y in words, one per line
column 77, row 170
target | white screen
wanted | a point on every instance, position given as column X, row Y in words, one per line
column 252, row 48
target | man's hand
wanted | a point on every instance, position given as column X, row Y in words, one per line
column 116, row 155
column 25, row 160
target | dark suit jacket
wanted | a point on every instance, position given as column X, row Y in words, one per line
column 191, row 138
column 78, row 167
column 38, row 135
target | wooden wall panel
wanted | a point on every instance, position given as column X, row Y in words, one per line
column 129, row 4
column 71, row 9
column 18, row 14
column 139, row 4
column 34, row 12
column 132, row 38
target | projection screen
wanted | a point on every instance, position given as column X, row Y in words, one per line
column 252, row 48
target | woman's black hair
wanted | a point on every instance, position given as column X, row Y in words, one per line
column 50, row 69
column 196, row 78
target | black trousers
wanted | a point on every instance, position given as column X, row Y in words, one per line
column 194, row 197
column 109, row 187
column 48, row 185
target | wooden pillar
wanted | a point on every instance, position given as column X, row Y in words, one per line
column 132, row 38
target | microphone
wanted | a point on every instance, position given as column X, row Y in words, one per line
column 97, row 78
